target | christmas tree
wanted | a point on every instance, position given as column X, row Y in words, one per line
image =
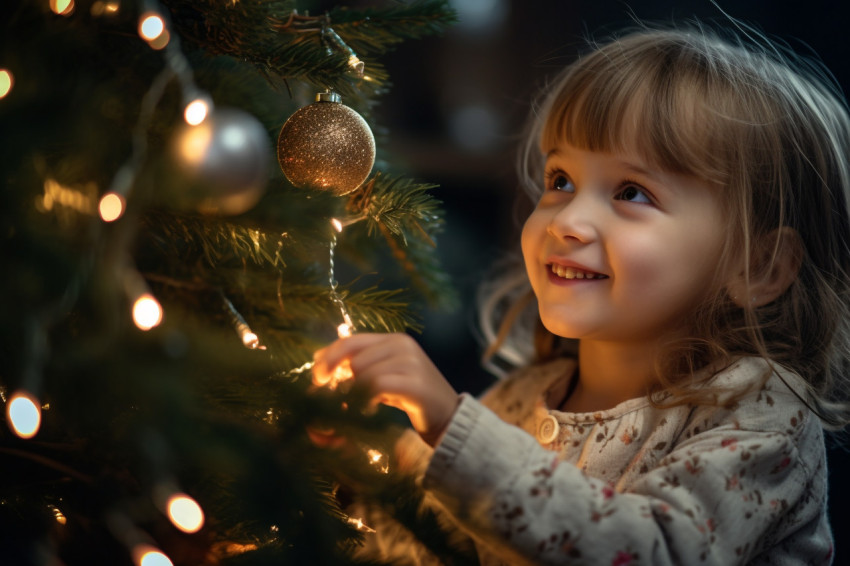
column 165, row 283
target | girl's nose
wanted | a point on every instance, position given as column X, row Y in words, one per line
column 577, row 219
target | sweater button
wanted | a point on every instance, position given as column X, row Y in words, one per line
column 548, row 430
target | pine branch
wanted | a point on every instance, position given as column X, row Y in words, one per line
column 377, row 30
column 409, row 219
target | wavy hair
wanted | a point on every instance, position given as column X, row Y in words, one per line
column 770, row 131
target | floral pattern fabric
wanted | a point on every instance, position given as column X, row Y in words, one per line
column 740, row 482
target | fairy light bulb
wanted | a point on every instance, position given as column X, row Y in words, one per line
column 23, row 414
column 151, row 26
column 185, row 513
column 343, row 330
column 358, row 524
column 146, row 555
column 62, row 7
column 196, row 111
column 58, row 515
column 111, row 207
column 147, row 312
column 6, row 82
column 378, row 460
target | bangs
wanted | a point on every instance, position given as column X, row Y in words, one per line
column 649, row 101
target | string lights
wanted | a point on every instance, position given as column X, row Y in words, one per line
column 7, row 80
column 249, row 339
column 146, row 311
column 23, row 413
column 147, row 555
column 62, row 7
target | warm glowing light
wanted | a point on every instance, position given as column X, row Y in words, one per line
column 251, row 340
column 336, row 224
column 360, row 526
column 111, row 207
column 82, row 198
column 194, row 144
column 196, row 112
column 6, row 82
column 379, row 460
column 147, row 312
column 146, row 555
column 343, row 330
column 23, row 414
column 151, row 26
column 185, row 513
column 101, row 8
column 58, row 515
column 161, row 41
column 62, row 7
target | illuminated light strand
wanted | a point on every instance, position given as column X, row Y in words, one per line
column 249, row 339
column 360, row 525
column 347, row 327
column 154, row 29
column 342, row 372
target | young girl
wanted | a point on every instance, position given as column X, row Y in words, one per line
column 689, row 255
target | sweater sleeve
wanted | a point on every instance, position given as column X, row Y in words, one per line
column 721, row 497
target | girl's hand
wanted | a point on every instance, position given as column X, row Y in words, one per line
column 395, row 371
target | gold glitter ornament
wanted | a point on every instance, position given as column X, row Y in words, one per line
column 327, row 146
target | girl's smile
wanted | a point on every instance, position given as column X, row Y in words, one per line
column 617, row 251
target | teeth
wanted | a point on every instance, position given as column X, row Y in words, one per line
column 572, row 273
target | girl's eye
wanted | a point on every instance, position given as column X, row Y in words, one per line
column 633, row 193
column 560, row 182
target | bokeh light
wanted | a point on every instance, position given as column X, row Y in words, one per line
column 111, row 207
column 146, row 555
column 196, row 112
column 147, row 312
column 6, row 82
column 23, row 414
column 185, row 513
column 62, row 7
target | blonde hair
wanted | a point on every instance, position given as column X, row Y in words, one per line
column 771, row 132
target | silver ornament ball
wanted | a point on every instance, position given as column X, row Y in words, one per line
column 225, row 160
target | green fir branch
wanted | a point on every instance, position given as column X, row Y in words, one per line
column 377, row 30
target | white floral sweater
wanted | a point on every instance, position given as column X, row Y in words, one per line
column 744, row 483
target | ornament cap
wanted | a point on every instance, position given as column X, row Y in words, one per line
column 328, row 96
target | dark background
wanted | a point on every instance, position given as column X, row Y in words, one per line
column 456, row 111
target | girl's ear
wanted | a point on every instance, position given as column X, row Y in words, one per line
column 773, row 267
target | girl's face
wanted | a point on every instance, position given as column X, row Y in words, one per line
column 617, row 251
